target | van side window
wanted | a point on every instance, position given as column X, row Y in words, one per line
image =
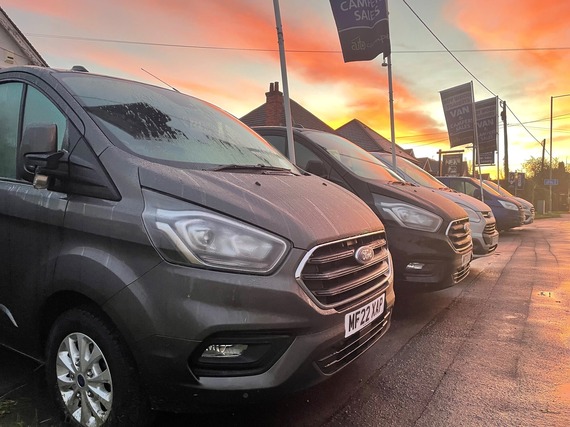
column 10, row 100
column 335, row 177
column 470, row 189
column 303, row 156
column 40, row 110
column 279, row 142
column 456, row 185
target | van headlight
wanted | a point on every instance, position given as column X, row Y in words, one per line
column 473, row 215
column 508, row 205
column 184, row 234
column 407, row 215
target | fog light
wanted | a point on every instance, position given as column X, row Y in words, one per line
column 415, row 266
column 224, row 350
column 238, row 354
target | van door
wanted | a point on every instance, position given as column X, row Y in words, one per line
column 31, row 220
column 10, row 101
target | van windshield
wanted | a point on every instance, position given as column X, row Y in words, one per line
column 417, row 174
column 167, row 126
column 354, row 158
column 501, row 190
column 490, row 190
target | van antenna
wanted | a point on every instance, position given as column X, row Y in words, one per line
column 160, row 80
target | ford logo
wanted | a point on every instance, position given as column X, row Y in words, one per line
column 364, row 254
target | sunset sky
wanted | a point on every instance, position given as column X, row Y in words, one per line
column 226, row 52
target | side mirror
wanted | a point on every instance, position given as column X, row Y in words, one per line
column 39, row 157
column 316, row 167
column 477, row 193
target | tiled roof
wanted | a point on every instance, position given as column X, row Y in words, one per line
column 256, row 117
column 429, row 165
column 272, row 114
column 370, row 140
column 299, row 115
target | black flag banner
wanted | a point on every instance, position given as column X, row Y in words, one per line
column 487, row 113
column 459, row 114
column 362, row 28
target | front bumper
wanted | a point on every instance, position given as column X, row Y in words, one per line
column 442, row 265
column 507, row 219
column 170, row 314
column 529, row 215
column 485, row 237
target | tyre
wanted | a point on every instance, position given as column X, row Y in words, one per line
column 91, row 372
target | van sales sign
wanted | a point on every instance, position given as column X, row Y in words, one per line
column 362, row 28
column 459, row 111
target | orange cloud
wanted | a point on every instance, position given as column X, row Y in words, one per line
column 230, row 24
column 523, row 25
column 254, row 28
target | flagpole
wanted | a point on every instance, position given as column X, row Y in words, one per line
column 287, row 103
column 391, row 101
column 476, row 153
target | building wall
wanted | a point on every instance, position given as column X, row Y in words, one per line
column 10, row 52
column 15, row 49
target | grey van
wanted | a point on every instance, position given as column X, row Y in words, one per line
column 157, row 253
column 428, row 235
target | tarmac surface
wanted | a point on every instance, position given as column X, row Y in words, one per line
column 493, row 350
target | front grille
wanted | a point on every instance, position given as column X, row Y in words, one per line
column 348, row 349
column 489, row 231
column 490, row 228
column 461, row 273
column 532, row 210
column 459, row 234
column 333, row 277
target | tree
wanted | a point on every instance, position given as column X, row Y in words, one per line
column 534, row 168
column 537, row 176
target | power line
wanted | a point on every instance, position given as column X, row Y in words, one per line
column 467, row 70
column 229, row 48
column 208, row 47
column 410, row 138
column 445, row 47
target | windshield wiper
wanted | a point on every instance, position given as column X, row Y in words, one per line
column 256, row 168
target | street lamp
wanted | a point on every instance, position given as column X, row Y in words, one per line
column 551, row 107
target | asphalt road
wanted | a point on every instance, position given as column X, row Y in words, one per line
column 491, row 351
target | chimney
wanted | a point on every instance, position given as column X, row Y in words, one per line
column 275, row 112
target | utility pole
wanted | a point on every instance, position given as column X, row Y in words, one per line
column 543, row 152
column 504, row 118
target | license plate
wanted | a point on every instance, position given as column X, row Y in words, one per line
column 494, row 240
column 465, row 259
column 365, row 315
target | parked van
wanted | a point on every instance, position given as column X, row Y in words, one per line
column 166, row 255
column 483, row 225
column 508, row 212
column 528, row 207
column 428, row 235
